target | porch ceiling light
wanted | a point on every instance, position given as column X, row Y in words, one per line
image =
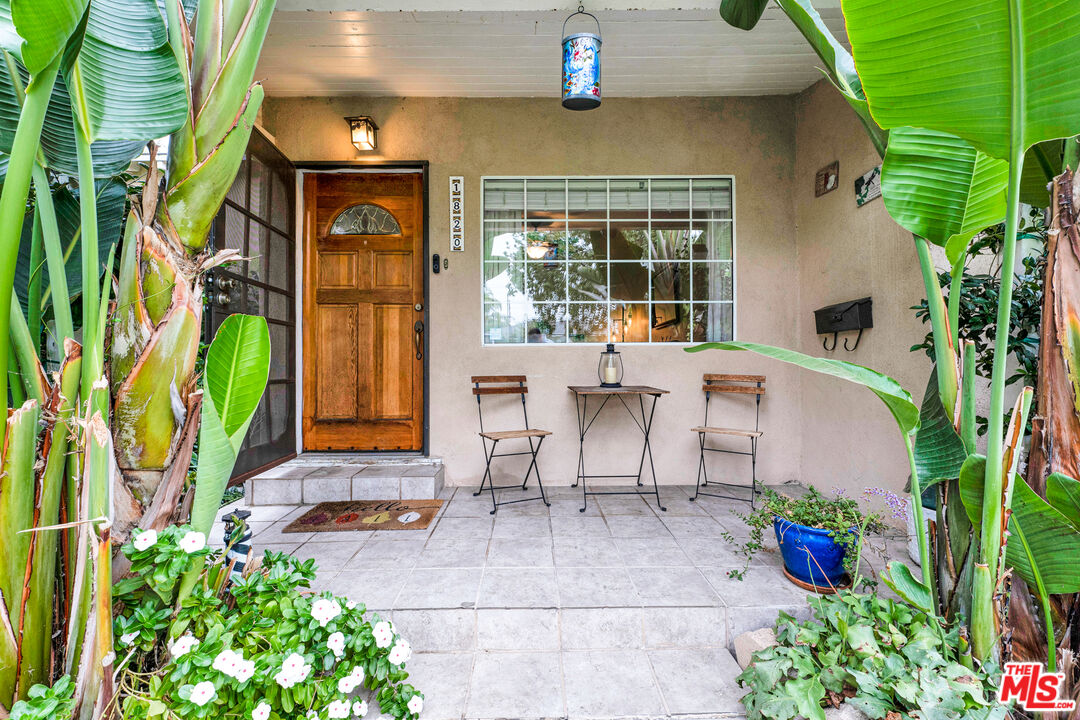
column 363, row 131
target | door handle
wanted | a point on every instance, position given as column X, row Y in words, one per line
column 418, row 338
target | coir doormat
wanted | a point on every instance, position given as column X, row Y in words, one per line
column 366, row 515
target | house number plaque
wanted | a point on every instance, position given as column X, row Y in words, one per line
column 457, row 213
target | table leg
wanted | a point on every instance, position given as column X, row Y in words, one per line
column 648, row 448
column 582, row 408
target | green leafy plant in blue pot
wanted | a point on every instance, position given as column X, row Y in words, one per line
column 820, row 538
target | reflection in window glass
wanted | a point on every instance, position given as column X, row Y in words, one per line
column 592, row 260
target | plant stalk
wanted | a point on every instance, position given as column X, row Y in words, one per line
column 944, row 350
column 956, row 289
column 13, row 201
column 33, row 287
column 93, row 350
column 54, row 257
column 920, row 526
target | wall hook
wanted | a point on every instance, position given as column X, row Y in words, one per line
column 857, row 339
column 825, row 344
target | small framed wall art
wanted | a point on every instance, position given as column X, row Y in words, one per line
column 827, row 179
column 868, row 186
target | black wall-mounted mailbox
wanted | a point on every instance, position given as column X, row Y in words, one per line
column 842, row 317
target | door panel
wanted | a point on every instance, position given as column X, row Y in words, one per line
column 363, row 280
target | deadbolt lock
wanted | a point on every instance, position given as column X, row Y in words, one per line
column 418, row 307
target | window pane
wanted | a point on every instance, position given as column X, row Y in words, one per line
column 672, row 240
column 670, row 199
column 712, row 198
column 260, row 188
column 589, row 322
column 587, row 240
column 545, row 240
column 504, row 240
column 545, row 198
column 712, row 281
column 629, row 240
column 713, row 322
column 587, row 199
column 670, row 281
column 504, row 199
column 630, row 322
column 238, row 190
column 279, row 306
column 504, row 282
column 588, row 281
column 279, row 351
column 546, row 281
column 280, row 261
column 629, row 280
column 547, row 323
column 712, row 240
column 258, row 252
column 629, row 198
column 505, row 323
column 670, row 322
column 279, row 202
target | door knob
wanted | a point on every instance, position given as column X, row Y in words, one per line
column 418, row 307
column 223, row 298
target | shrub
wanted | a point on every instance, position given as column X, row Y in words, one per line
column 886, row 659
column 257, row 647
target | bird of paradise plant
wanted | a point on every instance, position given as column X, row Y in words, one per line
column 104, row 443
column 954, row 153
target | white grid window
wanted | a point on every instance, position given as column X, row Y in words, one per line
column 595, row 260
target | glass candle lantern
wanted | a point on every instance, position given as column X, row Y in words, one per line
column 610, row 369
column 581, row 67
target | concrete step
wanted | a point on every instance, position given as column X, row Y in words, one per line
column 305, row 481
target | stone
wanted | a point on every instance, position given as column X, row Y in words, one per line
column 750, row 642
column 845, row 712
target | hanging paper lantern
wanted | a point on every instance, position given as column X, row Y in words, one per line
column 581, row 66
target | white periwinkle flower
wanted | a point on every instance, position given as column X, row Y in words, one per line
column 193, row 541
column 338, row 709
column 261, row 712
column 336, row 644
column 183, row 645
column 401, row 652
column 384, row 635
column 416, row 704
column 324, row 610
column 359, row 708
column 126, row 638
column 145, row 539
column 350, row 605
column 284, row 679
column 245, row 670
column 202, row 693
column 227, row 661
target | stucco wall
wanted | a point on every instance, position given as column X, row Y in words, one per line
column 846, row 252
column 816, row 430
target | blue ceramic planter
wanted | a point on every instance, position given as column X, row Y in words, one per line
column 810, row 555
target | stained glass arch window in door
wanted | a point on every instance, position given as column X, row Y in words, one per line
column 365, row 219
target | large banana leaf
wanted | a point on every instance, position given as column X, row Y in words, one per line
column 237, row 367
column 939, row 451
column 123, row 78
column 941, row 188
column 1041, row 539
column 743, row 14
column 58, row 131
column 111, row 198
column 967, row 67
column 45, row 26
column 895, row 397
column 1063, row 492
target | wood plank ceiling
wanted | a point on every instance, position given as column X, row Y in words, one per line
column 517, row 54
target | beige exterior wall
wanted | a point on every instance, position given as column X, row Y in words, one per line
column 752, row 138
column 849, row 439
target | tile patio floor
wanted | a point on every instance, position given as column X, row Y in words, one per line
column 618, row 612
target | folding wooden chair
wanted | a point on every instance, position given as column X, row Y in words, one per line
column 736, row 385
column 507, row 385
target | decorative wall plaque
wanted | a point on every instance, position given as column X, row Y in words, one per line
column 457, row 213
column 827, row 179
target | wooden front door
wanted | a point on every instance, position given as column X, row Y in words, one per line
column 363, row 311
